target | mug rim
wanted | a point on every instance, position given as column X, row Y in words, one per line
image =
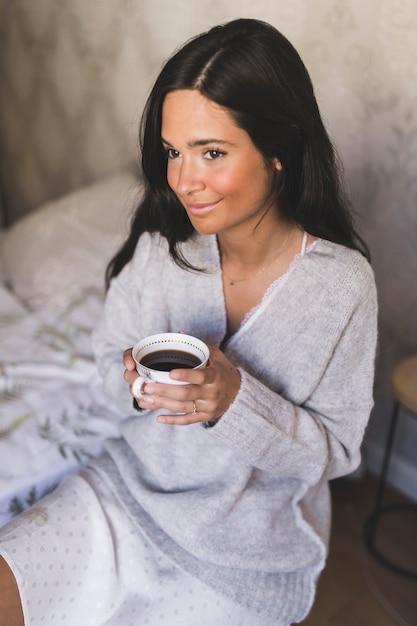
column 149, row 344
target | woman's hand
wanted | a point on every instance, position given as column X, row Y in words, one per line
column 130, row 374
column 208, row 395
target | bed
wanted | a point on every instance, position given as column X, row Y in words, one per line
column 54, row 412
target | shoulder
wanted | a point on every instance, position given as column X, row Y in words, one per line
column 338, row 278
column 150, row 245
column 151, row 254
column 341, row 266
column 199, row 250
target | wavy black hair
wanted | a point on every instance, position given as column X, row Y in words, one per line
column 252, row 70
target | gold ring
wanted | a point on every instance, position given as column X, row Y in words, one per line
column 195, row 408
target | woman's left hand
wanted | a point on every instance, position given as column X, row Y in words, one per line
column 208, row 395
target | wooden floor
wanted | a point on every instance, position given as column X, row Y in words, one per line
column 354, row 589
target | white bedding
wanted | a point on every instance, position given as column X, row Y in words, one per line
column 54, row 413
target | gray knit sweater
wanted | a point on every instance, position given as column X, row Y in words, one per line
column 245, row 506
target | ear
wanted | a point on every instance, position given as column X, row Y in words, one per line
column 278, row 165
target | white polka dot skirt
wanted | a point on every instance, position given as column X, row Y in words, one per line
column 78, row 559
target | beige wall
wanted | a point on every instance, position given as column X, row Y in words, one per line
column 74, row 75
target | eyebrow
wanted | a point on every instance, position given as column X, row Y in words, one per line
column 195, row 143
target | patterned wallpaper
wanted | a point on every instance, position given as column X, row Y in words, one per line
column 74, row 75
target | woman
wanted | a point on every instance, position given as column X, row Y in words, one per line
column 214, row 505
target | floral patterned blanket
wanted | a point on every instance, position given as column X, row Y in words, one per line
column 54, row 413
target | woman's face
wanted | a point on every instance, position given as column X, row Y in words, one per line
column 213, row 166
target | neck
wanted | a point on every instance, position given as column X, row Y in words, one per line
column 251, row 251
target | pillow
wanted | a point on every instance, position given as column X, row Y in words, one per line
column 54, row 254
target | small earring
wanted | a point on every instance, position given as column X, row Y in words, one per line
column 278, row 165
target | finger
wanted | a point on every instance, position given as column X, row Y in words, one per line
column 182, row 419
column 199, row 413
column 130, row 373
column 181, row 393
column 191, row 376
column 130, row 378
column 128, row 360
column 179, row 406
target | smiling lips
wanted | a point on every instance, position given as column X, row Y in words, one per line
column 199, row 209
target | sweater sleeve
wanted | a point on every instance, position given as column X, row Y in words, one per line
column 322, row 435
column 120, row 324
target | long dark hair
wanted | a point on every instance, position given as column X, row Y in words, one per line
column 252, row 70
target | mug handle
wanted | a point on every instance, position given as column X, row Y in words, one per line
column 138, row 384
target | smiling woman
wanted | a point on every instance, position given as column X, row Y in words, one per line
column 215, row 170
column 226, row 185
column 244, row 240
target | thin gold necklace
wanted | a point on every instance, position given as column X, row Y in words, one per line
column 233, row 281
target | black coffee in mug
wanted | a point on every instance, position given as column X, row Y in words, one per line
column 167, row 360
column 156, row 355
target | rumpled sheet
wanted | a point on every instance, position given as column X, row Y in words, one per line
column 54, row 412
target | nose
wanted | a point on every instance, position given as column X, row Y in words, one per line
column 189, row 178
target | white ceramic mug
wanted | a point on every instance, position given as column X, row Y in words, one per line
column 155, row 356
